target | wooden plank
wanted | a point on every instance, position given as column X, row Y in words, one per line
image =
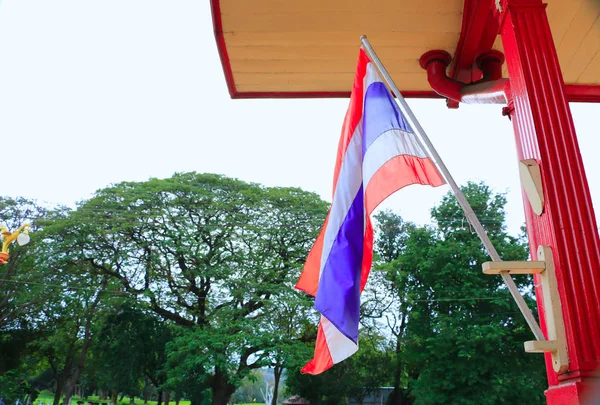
column 589, row 46
column 513, row 267
column 277, row 79
column 541, row 346
column 555, row 325
column 319, row 53
column 584, row 21
column 309, row 78
column 319, row 6
column 346, row 38
column 560, row 16
column 325, row 22
column 591, row 74
column 323, row 66
column 406, row 82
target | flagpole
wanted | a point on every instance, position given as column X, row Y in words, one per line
column 460, row 197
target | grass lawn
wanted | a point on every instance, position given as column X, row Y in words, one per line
column 47, row 398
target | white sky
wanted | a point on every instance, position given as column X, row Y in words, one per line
column 97, row 92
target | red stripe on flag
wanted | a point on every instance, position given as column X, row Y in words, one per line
column 367, row 253
column 309, row 279
column 399, row 172
column 353, row 114
column 322, row 360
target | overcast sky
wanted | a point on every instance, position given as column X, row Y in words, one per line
column 97, row 92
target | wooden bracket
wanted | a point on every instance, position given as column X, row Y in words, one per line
column 531, row 180
column 556, row 344
column 555, row 326
column 513, row 267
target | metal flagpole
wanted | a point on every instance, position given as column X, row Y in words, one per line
column 462, row 201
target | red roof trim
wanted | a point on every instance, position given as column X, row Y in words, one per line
column 579, row 93
column 324, row 94
column 215, row 8
column 576, row 93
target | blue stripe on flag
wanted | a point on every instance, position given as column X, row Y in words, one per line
column 338, row 298
column 381, row 113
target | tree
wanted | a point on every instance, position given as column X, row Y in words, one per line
column 67, row 331
column 130, row 345
column 386, row 305
column 354, row 378
column 23, row 295
column 292, row 323
column 206, row 253
column 464, row 333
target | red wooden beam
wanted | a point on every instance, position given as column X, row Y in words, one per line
column 215, row 8
column 478, row 33
column 578, row 93
column 322, row 94
column 544, row 131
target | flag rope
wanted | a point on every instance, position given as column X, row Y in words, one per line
column 460, row 197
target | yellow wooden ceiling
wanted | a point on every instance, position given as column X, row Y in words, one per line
column 311, row 46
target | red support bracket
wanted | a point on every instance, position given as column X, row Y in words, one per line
column 490, row 89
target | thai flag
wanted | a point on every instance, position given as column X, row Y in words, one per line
column 378, row 154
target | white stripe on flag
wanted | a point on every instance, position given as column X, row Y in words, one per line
column 340, row 347
column 387, row 146
column 348, row 183
column 371, row 77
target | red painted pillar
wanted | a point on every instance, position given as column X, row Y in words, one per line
column 544, row 131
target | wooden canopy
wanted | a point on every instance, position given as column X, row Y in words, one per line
column 287, row 48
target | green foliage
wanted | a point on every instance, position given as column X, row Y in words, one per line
column 14, row 387
column 354, row 378
column 464, row 334
column 187, row 283
column 130, row 345
column 18, row 277
column 206, row 253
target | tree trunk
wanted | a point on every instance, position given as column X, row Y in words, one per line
column 145, row 392
column 78, row 368
column 87, row 342
column 167, row 397
column 277, row 370
column 113, row 396
column 160, row 397
column 221, row 388
column 197, row 396
column 59, row 389
column 122, row 396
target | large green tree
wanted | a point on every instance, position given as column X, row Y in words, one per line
column 205, row 252
column 464, row 333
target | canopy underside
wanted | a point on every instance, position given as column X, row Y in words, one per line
column 278, row 48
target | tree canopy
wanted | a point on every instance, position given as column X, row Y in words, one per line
column 184, row 286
